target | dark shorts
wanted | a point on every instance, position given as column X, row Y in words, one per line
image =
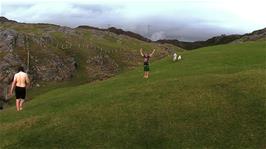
column 20, row 92
column 146, row 68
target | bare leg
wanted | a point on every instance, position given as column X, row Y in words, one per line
column 17, row 104
column 21, row 104
column 147, row 75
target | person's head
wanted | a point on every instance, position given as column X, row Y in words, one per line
column 20, row 68
column 145, row 54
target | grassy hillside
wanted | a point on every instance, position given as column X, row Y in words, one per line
column 214, row 98
column 84, row 45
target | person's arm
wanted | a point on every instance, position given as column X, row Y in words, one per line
column 141, row 53
column 152, row 53
column 13, row 85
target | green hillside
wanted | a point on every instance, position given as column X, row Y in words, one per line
column 214, row 98
column 97, row 54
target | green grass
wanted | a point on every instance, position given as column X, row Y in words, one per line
column 214, row 98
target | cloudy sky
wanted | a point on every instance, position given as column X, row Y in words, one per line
column 187, row 20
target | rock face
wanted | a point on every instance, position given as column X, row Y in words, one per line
column 11, row 39
column 254, row 35
column 8, row 39
column 45, row 66
column 101, row 67
column 9, row 63
column 8, row 66
column 56, row 69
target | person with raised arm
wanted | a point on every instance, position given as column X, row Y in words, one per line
column 146, row 58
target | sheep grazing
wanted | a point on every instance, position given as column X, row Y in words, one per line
column 179, row 58
column 176, row 58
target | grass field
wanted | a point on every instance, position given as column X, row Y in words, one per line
column 214, row 98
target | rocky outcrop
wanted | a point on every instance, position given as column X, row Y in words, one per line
column 58, row 68
column 8, row 66
column 101, row 67
column 256, row 35
column 67, row 30
column 8, row 39
column 46, row 65
column 3, row 47
column 3, row 19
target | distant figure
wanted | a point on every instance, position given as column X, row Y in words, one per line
column 174, row 57
column 179, row 57
column 146, row 62
column 20, row 82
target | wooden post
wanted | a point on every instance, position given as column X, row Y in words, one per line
column 28, row 54
column 28, row 62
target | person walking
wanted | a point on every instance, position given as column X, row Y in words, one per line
column 19, row 84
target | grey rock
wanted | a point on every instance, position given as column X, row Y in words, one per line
column 8, row 39
column 56, row 69
column 8, row 66
column 101, row 67
column 67, row 30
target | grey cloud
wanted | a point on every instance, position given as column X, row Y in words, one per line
column 184, row 28
column 158, row 35
column 93, row 7
column 67, row 14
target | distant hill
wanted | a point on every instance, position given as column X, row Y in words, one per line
column 119, row 32
column 255, row 35
column 223, row 39
column 4, row 19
